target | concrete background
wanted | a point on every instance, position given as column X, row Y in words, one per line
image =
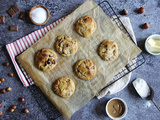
column 138, row 109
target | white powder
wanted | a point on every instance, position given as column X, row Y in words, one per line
column 141, row 87
column 39, row 15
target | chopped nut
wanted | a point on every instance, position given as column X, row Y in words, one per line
column 11, row 110
column 2, row 79
column 9, row 89
column 1, row 112
column 21, row 99
column 0, row 105
column 14, row 106
column 3, row 91
column 11, row 74
column 0, row 82
column 6, row 64
column 26, row 110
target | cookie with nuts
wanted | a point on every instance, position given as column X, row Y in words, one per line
column 64, row 87
column 85, row 69
column 66, row 46
column 45, row 59
column 108, row 50
column 86, row 26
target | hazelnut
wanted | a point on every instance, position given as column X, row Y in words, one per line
column 145, row 26
column 11, row 110
column 26, row 110
column 2, row 79
column 141, row 10
column 21, row 99
column 1, row 112
column 6, row 64
column 14, row 106
column 0, row 105
column 11, row 74
column 124, row 12
column 9, row 89
column 3, row 91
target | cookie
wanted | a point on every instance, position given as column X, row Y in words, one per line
column 45, row 59
column 85, row 69
column 86, row 26
column 64, row 87
column 108, row 50
column 66, row 46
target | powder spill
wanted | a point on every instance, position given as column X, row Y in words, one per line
column 39, row 15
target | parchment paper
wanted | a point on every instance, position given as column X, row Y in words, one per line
column 85, row 90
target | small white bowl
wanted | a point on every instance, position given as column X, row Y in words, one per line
column 125, row 112
column 154, row 36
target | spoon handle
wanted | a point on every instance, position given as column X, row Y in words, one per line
column 156, row 105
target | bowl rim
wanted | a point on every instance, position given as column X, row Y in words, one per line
column 125, row 104
column 151, row 36
column 37, row 6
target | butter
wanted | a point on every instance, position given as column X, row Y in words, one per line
column 154, row 45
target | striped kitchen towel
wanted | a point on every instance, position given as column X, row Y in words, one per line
column 20, row 45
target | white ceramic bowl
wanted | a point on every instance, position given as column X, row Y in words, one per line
column 154, row 36
column 125, row 105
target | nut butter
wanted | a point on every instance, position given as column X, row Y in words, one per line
column 116, row 108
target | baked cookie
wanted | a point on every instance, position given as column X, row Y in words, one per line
column 64, row 87
column 66, row 46
column 85, row 69
column 108, row 50
column 86, row 26
column 45, row 59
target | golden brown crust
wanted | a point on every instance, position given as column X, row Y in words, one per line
column 85, row 69
column 64, row 87
column 66, row 46
column 45, row 59
column 86, row 26
column 108, row 50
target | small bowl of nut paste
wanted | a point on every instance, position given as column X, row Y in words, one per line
column 116, row 108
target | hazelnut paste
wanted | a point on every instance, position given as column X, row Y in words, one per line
column 116, row 108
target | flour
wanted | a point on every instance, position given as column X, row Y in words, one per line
column 141, row 87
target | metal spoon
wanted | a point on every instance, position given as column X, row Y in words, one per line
column 150, row 97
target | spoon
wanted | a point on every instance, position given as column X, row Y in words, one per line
column 140, row 86
column 150, row 97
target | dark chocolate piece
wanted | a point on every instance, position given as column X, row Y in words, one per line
column 2, row 19
column 13, row 10
column 22, row 16
column 14, row 28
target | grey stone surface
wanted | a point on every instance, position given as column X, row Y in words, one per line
column 138, row 109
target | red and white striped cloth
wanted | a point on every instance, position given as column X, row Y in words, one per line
column 21, row 45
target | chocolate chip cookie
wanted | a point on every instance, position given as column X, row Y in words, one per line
column 66, row 46
column 108, row 50
column 85, row 69
column 86, row 26
column 64, row 87
column 45, row 59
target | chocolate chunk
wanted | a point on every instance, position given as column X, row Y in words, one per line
column 22, row 16
column 87, row 67
column 48, row 62
column 2, row 19
column 45, row 55
column 67, row 45
column 14, row 28
column 13, row 10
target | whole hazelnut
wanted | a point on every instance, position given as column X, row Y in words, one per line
column 11, row 110
column 6, row 64
column 11, row 74
column 124, row 12
column 2, row 79
column 3, row 91
column 14, row 106
column 0, row 105
column 26, row 110
column 141, row 10
column 1, row 112
column 145, row 26
column 21, row 99
column 9, row 89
